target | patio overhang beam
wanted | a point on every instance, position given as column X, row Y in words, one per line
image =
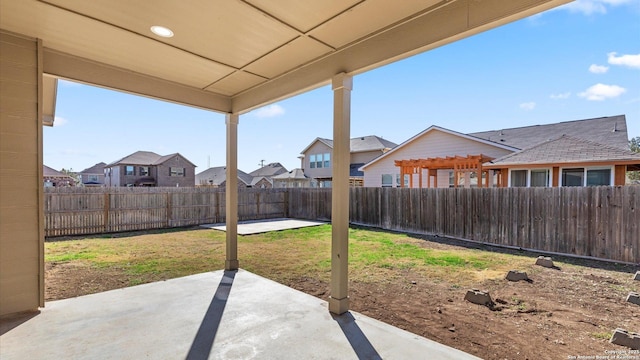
column 65, row 66
column 469, row 163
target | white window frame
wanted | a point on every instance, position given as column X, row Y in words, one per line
column 382, row 183
column 587, row 169
column 175, row 171
column 528, row 170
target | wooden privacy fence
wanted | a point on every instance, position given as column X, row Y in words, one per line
column 77, row 211
column 602, row 222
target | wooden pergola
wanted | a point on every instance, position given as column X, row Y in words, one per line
column 459, row 164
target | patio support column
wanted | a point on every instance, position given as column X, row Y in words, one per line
column 231, row 193
column 339, row 300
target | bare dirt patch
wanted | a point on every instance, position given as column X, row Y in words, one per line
column 570, row 311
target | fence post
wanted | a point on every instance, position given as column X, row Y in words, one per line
column 285, row 211
column 107, row 207
column 169, row 209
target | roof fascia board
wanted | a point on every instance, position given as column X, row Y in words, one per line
column 490, row 166
column 93, row 73
column 384, row 47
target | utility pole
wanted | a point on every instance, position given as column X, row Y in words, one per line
column 262, row 162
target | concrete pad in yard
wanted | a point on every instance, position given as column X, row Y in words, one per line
column 215, row 315
column 263, row 226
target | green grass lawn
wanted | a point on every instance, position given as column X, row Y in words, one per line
column 282, row 255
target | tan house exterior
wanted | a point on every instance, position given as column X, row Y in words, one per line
column 433, row 142
column 587, row 152
column 93, row 176
column 146, row 168
column 317, row 164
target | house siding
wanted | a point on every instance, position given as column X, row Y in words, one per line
column 21, row 243
column 365, row 156
column 434, row 143
column 317, row 148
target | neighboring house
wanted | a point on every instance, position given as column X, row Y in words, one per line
column 292, row 179
column 93, row 176
column 317, row 164
column 262, row 177
column 146, row 168
column 217, row 177
column 572, row 153
column 53, row 177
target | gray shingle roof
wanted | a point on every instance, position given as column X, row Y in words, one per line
column 95, row 169
column 599, row 130
column 218, row 175
column 269, row 170
column 567, row 149
column 293, row 174
column 51, row 172
column 145, row 158
column 361, row 144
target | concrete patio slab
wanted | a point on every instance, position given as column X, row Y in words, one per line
column 263, row 226
column 215, row 315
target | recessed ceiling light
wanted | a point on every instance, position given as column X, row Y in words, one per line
column 162, row 31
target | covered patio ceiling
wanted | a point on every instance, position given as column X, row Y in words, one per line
column 233, row 56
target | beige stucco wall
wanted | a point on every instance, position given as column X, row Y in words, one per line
column 434, row 143
column 21, row 232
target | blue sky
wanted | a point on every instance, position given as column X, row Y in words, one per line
column 575, row 62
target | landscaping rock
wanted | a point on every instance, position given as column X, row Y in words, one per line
column 626, row 338
column 478, row 297
column 637, row 276
column 633, row 298
column 545, row 262
column 515, row 275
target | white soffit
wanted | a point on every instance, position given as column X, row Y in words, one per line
column 235, row 83
column 290, row 56
column 366, row 18
column 304, row 15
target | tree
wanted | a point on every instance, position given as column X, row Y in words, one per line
column 634, row 145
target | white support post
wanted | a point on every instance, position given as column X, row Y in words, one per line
column 339, row 300
column 231, row 193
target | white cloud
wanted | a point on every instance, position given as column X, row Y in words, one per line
column 598, row 69
column 590, row 7
column 599, row 92
column 59, row 121
column 560, row 96
column 270, row 111
column 632, row 61
column 528, row 106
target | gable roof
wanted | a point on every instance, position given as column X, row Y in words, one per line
column 358, row 144
column 51, row 172
column 566, row 149
column 269, row 170
column 218, row 175
column 291, row 175
column 95, row 169
column 611, row 131
column 146, row 158
column 437, row 128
